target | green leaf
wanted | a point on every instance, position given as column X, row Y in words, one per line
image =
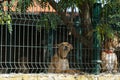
column 9, row 26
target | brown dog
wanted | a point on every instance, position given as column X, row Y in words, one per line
column 59, row 62
column 108, row 57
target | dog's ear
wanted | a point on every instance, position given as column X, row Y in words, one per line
column 58, row 45
column 71, row 47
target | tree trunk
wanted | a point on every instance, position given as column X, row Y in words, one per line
column 86, row 17
column 86, row 22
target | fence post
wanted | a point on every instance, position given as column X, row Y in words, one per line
column 78, row 44
column 96, row 47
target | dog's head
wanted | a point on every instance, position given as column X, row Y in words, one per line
column 115, row 41
column 112, row 43
column 108, row 44
column 63, row 49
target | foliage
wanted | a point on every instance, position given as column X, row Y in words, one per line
column 110, row 15
column 6, row 19
column 114, row 14
column 43, row 3
column 104, row 31
column 48, row 20
column 22, row 5
column 109, row 22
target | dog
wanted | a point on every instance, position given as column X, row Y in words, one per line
column 109, row 57
column 59, row 62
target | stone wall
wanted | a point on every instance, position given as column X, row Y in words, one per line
column 58, row 77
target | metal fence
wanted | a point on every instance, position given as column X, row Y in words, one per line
column 29, row 49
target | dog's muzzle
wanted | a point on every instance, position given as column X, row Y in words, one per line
column 65, row 48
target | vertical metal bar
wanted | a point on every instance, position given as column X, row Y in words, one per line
column 40, row 48
column 96, row 55
column 10, row 51
column 28, row 48
column 63, row 33
column 14, row 43
column 74, row 55
column 6, row 49
column 59, row 34
column 50, row 42
column 71, row 55
column 1, row 47
column 67, row 34
column 44, row 44
column 19, row 43
column 32, row 56
column 23, row 46
column 36, row 50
